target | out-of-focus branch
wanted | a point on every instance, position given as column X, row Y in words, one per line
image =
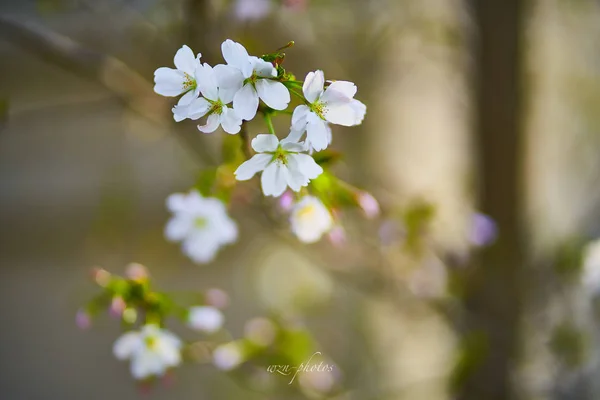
column 494, row 294
column 106, row 70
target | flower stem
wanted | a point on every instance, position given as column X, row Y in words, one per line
column 298, row 95
column 269, row 123
column 245, row 142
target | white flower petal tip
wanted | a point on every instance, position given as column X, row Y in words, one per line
column 201, row 224
column 151, row 350
column 205, row 319
column 310, row 219
column 281, row 163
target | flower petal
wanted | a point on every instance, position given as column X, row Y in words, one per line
column 178, row 228
column 230, row 122
column 249, row 168
column 230, row 80
column 293, row 137
column 313, row 85
column 198, row 108
column 207, row 82
column 236, row 55
column 205, row 319
column 274, row 94
column 186, row 61
column 265, row 142
column 245, row 102
column 342, row 114
column 307, row 165
column 187, row 98
column 126, row 345
column 264, row 68
column 316, row 132
column 212, row 123
column 337, row 88
column 360, row 109
column 201, row 247
column 274, row 179
column 168, row 82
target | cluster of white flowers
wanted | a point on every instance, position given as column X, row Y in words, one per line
column 229, row 94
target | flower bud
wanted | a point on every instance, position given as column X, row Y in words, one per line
column 260, row 331
column 117, row 306
column 228, row 356
column 337, row 236
column 136, row 272
column 217, row 298
column 101, row 276
column 286, row 201
column 83, row 320
column 205, row 319
column 369, row 204
column 483, row 230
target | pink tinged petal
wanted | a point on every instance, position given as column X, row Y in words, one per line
column 341, row 114
column 307, row 165
column 230, row 122
column 198, row 108
column 264, row 69
column 344, row 88
column 83, row 320
column 274, row 179
column 252, row 9
column 286, row 201
column 313, row 86
column 316, row 132
column 178, row 228
column 360, row 109
column 265, row 142
column 245, row 102
column 207, row 82
column 274, row 94
column 185, row 60
column 127, row 345
column 236, row 55
column 168, row 82
column 212, row 123
column 249, row 168
column 369, row 204
column 230, row 80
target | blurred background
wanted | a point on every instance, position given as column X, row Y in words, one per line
column 481, row 144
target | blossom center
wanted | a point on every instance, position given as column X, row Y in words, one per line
column 280, row 156
column 252, row 80
column 200, row 222
column 307, row 211
column 216, row 107
column 189, row 82
column 150, row 342
column 319, row 108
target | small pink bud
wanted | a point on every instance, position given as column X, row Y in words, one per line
column 83, row 320
column 286, row 201
column 136, row 272
column 369, row 204
column 117, row 306
column 217, row 298
column 337, row 236
column 101, row 276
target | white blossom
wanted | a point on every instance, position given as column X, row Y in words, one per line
column 152, row 351
column 335, row 105
column 282, row 164
column 228, row 356
column 205, row 319
column 212, row 104
column 251, row 78
column 174, row 82
column 252, row 10
column 201, row 224
column 310, row 219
